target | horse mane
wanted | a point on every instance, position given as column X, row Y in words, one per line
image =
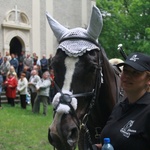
column 110, row 79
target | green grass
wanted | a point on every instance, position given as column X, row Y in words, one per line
column 22, row 130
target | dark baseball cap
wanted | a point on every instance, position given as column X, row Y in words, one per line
column 138, row 61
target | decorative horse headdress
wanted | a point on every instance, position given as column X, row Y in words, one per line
column 75, row 42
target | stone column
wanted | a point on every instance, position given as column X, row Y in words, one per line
column 84, row 13
column 36, row 27
column 50, row 49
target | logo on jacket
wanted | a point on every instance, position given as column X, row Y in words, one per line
column 126, row 130
column 134, row 58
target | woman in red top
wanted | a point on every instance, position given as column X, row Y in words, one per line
column 11, row 84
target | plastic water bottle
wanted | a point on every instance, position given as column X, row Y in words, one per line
column 107, row 145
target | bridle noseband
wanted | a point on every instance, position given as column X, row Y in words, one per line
column 66, row 99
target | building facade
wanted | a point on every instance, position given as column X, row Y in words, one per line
column 24, row 26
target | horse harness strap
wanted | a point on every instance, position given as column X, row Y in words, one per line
column 72, row 112
column 98, row 82
column 120, row 90
column 66, row 99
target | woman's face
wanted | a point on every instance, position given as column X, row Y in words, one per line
column 10, row 76
column 133, row 80
column 21, row 76
column 11, row 69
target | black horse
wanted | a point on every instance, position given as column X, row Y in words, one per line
column 87, row 84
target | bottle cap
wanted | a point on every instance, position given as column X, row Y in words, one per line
column 106, row 140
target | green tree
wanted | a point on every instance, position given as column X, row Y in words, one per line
column 126, row 22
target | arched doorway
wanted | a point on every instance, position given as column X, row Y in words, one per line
column 15, row 46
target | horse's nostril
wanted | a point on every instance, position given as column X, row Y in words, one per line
column 74, row 133
column 53, row 138
column 72, row 137
column 49, row 136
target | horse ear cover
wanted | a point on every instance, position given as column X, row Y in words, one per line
column 93, row 30
column 96, row 23
column 56, row 27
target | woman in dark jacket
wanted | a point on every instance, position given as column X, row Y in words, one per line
column 128, row 126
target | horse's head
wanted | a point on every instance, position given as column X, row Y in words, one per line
column 77, row 68
column 75, row 80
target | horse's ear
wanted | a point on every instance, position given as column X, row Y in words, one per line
column 56, row 27
column 96, row 23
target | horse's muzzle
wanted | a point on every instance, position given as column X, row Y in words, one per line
column 69, row 142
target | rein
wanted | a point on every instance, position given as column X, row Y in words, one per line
column 98, row 82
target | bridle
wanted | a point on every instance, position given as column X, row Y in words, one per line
column 66, row 98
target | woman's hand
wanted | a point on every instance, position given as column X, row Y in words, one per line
column 99, row 146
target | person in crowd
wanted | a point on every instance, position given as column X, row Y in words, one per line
column 20, row 60
column 4, row 68
column 34, row 58
column 23, row 89
column 28, row 61
column 39, row 71
column 8, row 56
column 128, row 126
column 12, row 71
column 44, row 64
column 34, row 79
column 14, row 62
column 11, row 85
column 1, row 85
column 51, row 94
column 27, row 72
column 42, row 93
column 38, row 61
column 17, row 57
column 115, row 61
column 1, row 58
column 50, row 61
column 0, row 102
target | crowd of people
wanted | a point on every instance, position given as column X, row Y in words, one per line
column 27, row 75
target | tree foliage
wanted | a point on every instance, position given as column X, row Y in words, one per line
column 126, row 22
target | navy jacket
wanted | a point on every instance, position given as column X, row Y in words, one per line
column 129, row 125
